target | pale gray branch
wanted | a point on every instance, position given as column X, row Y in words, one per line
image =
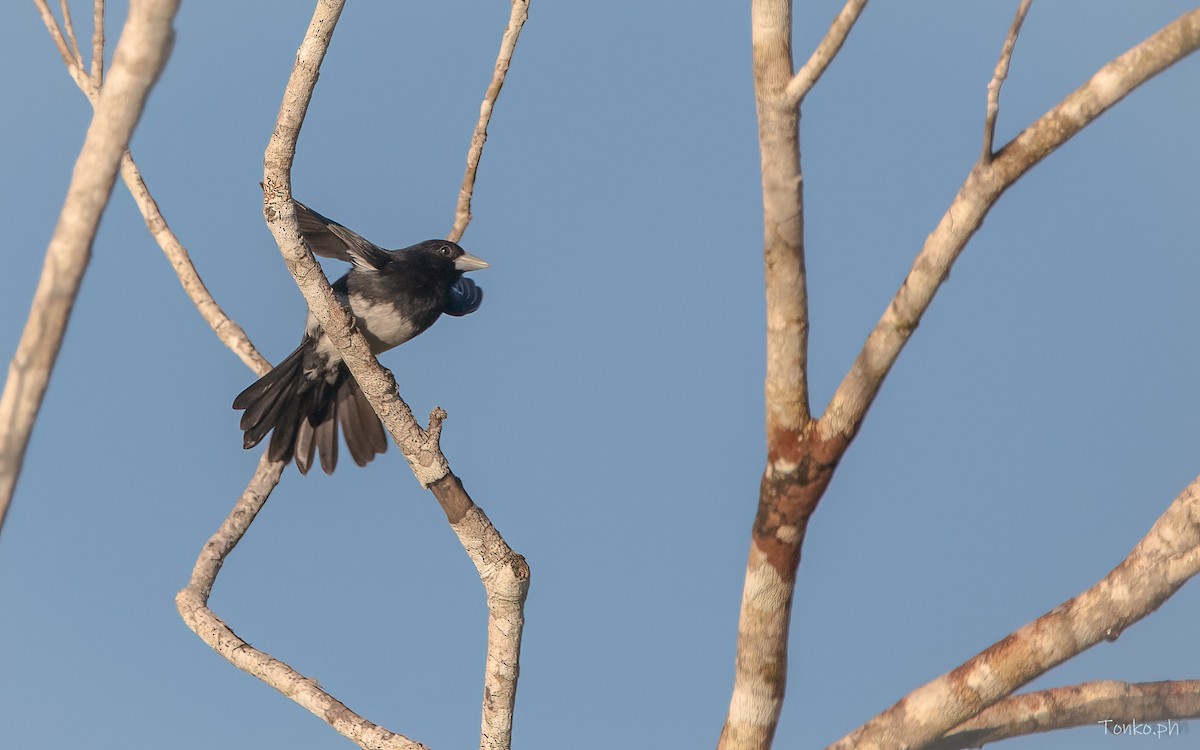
column 983, row 187
column 823, row 55
column 70, row 27
column 74, row 67
column 424, row 457
column 504, row 573
column 278, row 161
column 192, row 603
column 760, row 672
column 226, row 329
column 802, row 454
column 998, row 77
column 792, row 484
column 1094, row 704
column 233, row 528
column 508, row 43
column 98, row 43
column 1156, row 568
column 505, row 576
column 141, row 53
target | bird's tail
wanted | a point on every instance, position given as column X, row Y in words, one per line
column 302, row 400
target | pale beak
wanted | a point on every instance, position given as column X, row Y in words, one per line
column 468, row 262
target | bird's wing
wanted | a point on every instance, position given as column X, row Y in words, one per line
column 330, row 239
column 465, row 298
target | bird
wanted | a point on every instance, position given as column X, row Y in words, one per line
column 393, row 295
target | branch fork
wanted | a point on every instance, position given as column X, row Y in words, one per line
column 803, row 451
column 504, row 573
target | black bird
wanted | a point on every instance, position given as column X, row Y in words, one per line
column 393, row 295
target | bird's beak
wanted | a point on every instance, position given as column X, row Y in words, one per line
column 468, row 262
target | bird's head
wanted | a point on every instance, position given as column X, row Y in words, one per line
column 451, row 254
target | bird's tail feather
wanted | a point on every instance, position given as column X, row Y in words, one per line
column 264, row 400
column 364, row 434
column 313, row 431
column 304, row 411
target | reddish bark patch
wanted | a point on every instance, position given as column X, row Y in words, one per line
column 797, row 475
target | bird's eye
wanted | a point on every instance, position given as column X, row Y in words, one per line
column 445, row 251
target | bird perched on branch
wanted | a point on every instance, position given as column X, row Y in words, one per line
column 393, row 295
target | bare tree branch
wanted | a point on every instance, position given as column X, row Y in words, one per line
column 140, row 56
column 74, row 66
column 508, row 43
column 192, row 603
column 802, row 454
column 423, row 455
column 505, row 576
column 226, row 329
column 235, row 526
column 1001, row 73
column 1096, row 704
column 1157, row 567
column 975, row 198
column 98, row 43
column 504, row 573
column 70, row 27
column 783, row 219
column 823, row 55
column 789, row 488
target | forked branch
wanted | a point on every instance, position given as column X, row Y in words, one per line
column 1095, row 704
column 141, row 54
column 823, row 55
column 983, row 187
column 192, row 603
column 1001, row 73
column 802, row 453
column 504, row 573
column 1157, row 567
column 226, row 329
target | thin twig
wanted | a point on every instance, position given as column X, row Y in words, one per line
column 1001, row 73
column 982, row 188
column 98, row 43
column 70, row 27
column 145, row 45
column 73, row 65
column 823, row 55
column 508, row 43
column 192, row 603
column 233, row 528
column 227, row 330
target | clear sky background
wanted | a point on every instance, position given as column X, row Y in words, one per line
column 606, row 401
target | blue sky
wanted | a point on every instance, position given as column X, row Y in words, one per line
column 606, row 402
